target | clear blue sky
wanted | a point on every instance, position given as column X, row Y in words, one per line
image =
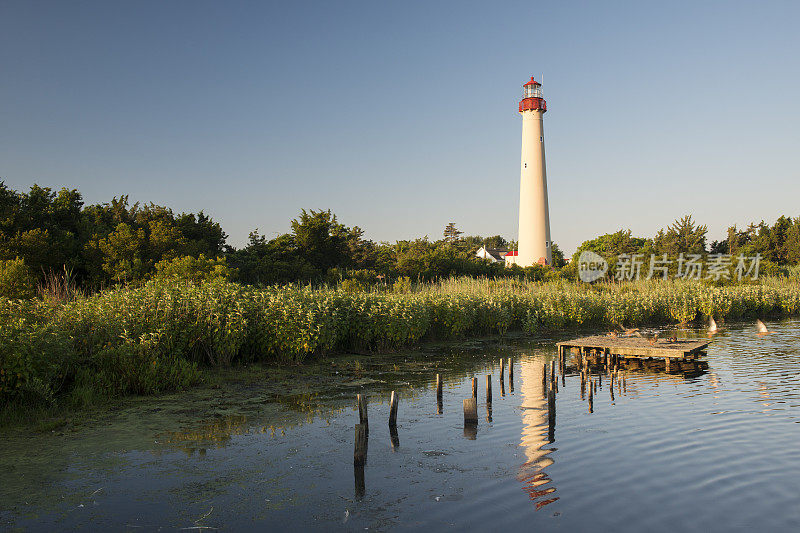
column 401, row 117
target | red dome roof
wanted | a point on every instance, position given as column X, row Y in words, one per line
column 532, row 82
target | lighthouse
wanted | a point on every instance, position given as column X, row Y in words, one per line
column 534, row 217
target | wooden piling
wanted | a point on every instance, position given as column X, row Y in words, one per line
column 361, row 400
column 394, row 438
column 488, row 388
column 511, row 374
column 551, row 415
column 393, row 410
column 502, row 369
column 361, row 443
column 470, row 411
column 438, row 386
column 361, row 486
column 470, row 431
column 544, row 380
column 475, row 388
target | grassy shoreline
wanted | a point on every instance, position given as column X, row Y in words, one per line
column 166, row 335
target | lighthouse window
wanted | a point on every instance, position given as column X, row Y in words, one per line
column 526, row 165
column 541, row 139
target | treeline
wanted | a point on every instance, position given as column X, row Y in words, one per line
column 52, row 240
column 47, row 237
column 778, row 245
column 45, row 233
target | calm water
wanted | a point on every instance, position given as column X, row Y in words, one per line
column 715, row 452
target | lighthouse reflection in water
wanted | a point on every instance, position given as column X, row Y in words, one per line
column 536, row 432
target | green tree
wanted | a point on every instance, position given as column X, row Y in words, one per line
column 558, row 256
column 264, row 262
column 792, row 244
column 321, row 239
column 610, row 246
column 683, row 236
column 495, row 241
column 124, row 253
column 451, row 233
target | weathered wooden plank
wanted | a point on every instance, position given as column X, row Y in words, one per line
column 637, row 346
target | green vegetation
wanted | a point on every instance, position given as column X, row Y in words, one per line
column 778, row 245
column 16, row 279
column 157, row 336
column 117, row 243
column 106, row 300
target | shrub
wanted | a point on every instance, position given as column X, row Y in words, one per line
column 16, row 280
column 194, row 269
column 402, row 285
column 351, row 286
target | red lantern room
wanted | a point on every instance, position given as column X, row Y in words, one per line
column 532, row 97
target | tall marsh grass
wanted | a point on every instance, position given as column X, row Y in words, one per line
column 156, row 337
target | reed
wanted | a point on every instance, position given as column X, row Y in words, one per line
column 155, row 337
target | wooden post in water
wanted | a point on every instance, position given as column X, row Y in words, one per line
column 360, row 450
column 502, row 369
column 591, row 398
column 470, row 411
column 502, row 388
column 511, row 374
column 488, row 388
column 666, row 364
column 360, row 459
column 553, row 382
column 362, row 410
column 475, row 388
column 393, row 410
column 439, row 405
column 544, row 380
column 551, row 415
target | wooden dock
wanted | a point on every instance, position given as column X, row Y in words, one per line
column 601, row 349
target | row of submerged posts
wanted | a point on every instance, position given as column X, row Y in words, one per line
column 590, row 364
column 608, row 363
column 470, row 407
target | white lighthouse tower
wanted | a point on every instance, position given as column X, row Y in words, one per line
column 534, row 216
